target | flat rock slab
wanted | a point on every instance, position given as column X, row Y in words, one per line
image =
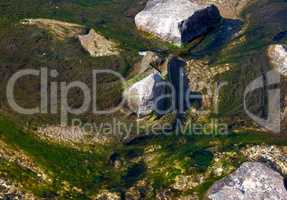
column 97, row 45
column 94, row 43
column 252, row 181
column 179, row 21
column 60, row 29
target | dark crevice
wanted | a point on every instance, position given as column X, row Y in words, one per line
column 285, row 182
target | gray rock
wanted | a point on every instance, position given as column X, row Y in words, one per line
column 151, row 60
column 178, row 21
column 278, row 58
column 252, row 181
column 142, row 95
column 273, row 156
column 97, row 45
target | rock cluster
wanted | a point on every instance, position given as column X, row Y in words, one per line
column 197, row 77
column 165, row 82
column 273, row 156
column 252, row 181
column 106, row 195
column 184, row 183
column 71, row 135
column 9, row 190
column 202, row 79
column 168, row 194
column 178, row 21
column 94, row 43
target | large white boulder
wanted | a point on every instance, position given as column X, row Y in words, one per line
column 177, row 21
column 252, row 181
column 278, row 57
column 142, row 95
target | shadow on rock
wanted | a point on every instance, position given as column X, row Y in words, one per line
column 217, row 39
column 280, row 36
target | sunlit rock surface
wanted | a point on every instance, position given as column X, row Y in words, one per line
column 178, row 21
column 97, row 45
column 142, row 95
column 273, row 156
column 252, row 181
column 9, row 190
column 278, row 58
column 106, row 195
column 59, row 29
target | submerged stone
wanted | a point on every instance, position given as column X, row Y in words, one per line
column 252, row 181
column 178, row 78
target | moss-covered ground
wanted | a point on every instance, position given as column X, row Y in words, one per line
column 89, row 167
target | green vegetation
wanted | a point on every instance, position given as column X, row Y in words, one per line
column 26, row 178
column 111, row 17
column 178, row 155
column 247, row 55
column 84, row 169
column 89, row 168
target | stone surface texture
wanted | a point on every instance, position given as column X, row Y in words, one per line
column 97, row 45
column 252, row 181
column 178, row 21
column 278, row 58
column 142, row 95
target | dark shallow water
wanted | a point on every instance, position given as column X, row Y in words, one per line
column 266, row 22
